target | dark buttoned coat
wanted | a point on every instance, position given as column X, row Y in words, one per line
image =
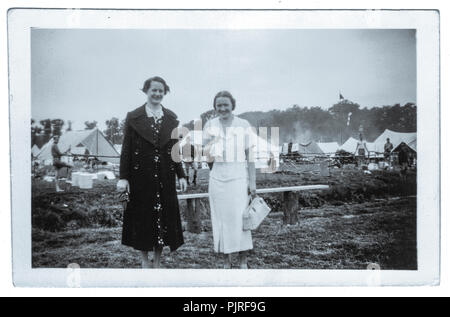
column 137, row 165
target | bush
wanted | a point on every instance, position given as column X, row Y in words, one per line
column 49, row 221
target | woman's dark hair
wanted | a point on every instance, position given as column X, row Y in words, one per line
column 225, row 93
column 148, row 82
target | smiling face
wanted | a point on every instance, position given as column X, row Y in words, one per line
column 155, row 93
column 224, row 107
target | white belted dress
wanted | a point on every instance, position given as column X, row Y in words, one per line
column 228, row 183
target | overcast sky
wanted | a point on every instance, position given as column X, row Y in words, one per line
column 82, row 75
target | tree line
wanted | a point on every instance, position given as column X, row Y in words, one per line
column 297, row 124
column 336, row 124
column 44, row 130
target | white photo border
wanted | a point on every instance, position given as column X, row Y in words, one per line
column 426, row 23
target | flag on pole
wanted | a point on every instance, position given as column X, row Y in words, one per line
column 340, row 96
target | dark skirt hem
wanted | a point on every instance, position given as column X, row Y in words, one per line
column 149, row 249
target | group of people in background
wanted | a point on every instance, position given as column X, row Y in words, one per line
column 403, row 155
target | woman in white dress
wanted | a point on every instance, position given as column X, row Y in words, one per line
column 227, row 141
column 361, row 150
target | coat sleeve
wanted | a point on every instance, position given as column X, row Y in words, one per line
column 125, row 155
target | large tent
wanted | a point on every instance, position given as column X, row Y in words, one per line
column 413, row 145
column 264, row 151
column 307, row 149
column 396, row 138
column 84, row 142
column 328, row 147
column 35, row 150
column 310, row 148
column 118, row 148
column 351, row 143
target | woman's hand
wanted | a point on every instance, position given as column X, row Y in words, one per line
column 253, row 193
column 123, row 185
column 183, row 184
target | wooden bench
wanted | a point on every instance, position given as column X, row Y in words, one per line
column 290, row 204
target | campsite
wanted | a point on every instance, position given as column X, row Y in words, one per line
column 364, row 217
column 361, row 219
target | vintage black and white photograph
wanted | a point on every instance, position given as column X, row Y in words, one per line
column 165, row 148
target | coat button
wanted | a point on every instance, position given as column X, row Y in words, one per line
column 136, row 167
column 136, row 152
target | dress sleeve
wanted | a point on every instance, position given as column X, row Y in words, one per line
column 251, row 142
column 206, row 136
column 207, row 139
column 125, row 154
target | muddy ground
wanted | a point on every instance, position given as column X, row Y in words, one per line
column 362, row 219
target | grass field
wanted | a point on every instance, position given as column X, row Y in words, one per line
column 361, row 219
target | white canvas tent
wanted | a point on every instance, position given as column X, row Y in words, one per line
column 265, row 151
column 309, row 149
column 351, row 143
column 328, row 147
column 118, row 148
column 413, row 145
column 35, row 150
column 79, row 150
column 92, row 142
column 372, row 149
column 396, row 138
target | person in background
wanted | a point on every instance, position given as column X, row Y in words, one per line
column 148, row 172
column 231, row 179
column 58, row 163
column 388, row 147
column 290, row 154
column 403, row 157
column 361, row 149
column 188, row 155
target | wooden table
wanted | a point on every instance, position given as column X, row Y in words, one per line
column 290, row 204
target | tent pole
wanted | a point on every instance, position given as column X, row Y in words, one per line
column 96, row 165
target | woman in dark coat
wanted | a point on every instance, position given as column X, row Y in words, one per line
column 148, row 172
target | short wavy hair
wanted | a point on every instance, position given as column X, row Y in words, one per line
column 226, row 94
column 148, row 82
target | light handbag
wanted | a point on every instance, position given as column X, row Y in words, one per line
column 255, row 213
